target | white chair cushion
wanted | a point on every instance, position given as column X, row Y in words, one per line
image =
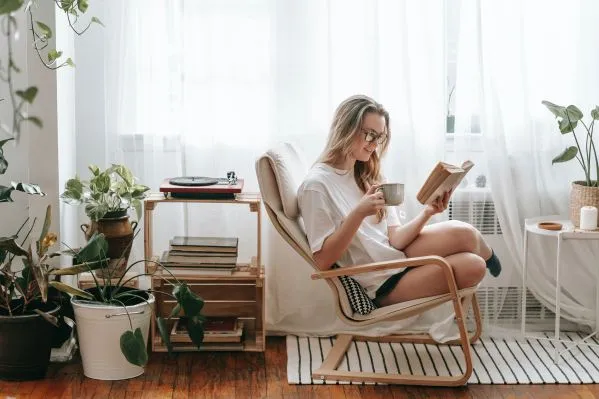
column 290, row 170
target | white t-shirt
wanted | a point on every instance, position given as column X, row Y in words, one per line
column 326, row 196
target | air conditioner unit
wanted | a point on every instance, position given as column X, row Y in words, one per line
column 476, row 206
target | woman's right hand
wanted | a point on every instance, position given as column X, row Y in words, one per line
column 371, row 202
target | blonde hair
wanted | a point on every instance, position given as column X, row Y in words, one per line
column 346, row 124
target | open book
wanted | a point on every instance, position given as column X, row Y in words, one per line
column 443, row 177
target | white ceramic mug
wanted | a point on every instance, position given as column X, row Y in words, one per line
column 392, row 192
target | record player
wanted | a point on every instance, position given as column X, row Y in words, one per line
column 202, row 187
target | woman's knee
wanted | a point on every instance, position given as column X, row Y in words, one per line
column 466, row 235
column 469, row 270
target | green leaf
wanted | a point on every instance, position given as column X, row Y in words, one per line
column 565, row 126
column 13, row 66
column 82, row 5
column 5, row 194
column 45, row 29
column 555, row 109
column 66, row 4
column 595, row 113
column 80, row 268
column 195, row 330
column 568, row 154
column 94, row 169
column 134, row 348
column 164, row 333
column 35, row 120
column 7, row 6
column 95, row 249
column 53, row 55
column 71, row 290
column 574, row 114
column 70, row 62
column 3, row 161
column 10, row 244
column 191, row 303
column 27, row 95
column 28, row 188
column 97, row 21
column 73, row 190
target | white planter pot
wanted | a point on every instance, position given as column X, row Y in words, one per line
column 99, row 330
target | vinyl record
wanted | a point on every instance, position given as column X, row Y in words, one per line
column 193, row 181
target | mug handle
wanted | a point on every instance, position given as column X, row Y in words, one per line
column 84, row 228
column 133, row 225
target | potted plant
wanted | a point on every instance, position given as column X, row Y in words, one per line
column 113, row 320
column 583, row 192
column 107, row 197
column 25, row 301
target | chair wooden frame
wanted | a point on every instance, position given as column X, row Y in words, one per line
column 461, row 300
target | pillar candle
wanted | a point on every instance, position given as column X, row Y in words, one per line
column 588, row 218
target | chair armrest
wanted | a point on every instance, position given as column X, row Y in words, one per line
column 396, row 264
column 391, row 264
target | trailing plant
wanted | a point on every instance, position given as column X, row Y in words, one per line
column 132, row 343
column 568, row 118
column 110, row 190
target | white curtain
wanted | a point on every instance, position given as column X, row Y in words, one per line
column 513, row 55
column 204, row 87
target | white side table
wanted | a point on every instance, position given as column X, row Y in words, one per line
column 568, row 232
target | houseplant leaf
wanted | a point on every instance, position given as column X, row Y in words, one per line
column 191, row 303
column 195, row 329
column 3, row 161
column 568, row 154
column 595, row 113
column 7, row 6
column 566, row 126
column 555, row 109
column 9, row 244
column 71, row 290
column 134, row 348
column 574, row 114
column 164, row 333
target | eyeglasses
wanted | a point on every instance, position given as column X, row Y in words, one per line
column 371, row 135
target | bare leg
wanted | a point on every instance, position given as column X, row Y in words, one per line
column 448, row 238
column 428, row 280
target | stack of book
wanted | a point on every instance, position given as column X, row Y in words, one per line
column 201, row 255
column 224, row 331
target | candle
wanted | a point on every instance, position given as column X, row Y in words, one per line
column 588, row 218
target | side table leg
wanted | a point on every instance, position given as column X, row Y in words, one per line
column 558, row 292
column 524, row 269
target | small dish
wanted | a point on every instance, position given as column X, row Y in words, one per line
column 550, row 226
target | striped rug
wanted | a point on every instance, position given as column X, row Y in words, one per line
column 496, row 361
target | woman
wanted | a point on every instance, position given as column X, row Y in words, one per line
column 347, row 223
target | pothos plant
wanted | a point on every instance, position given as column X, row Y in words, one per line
column 568, row 118
column 111, row 190
column 92, row 257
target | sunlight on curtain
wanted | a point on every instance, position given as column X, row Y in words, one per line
column 513, row 56
column 203, row 87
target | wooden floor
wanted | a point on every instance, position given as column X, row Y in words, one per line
column 249, row 375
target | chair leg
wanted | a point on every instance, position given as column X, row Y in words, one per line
column 328, row 369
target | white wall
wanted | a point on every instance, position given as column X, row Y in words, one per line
column 34, row 158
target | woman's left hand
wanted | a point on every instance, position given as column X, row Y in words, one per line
column 438, row 205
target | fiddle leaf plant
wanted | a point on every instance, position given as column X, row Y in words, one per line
column 568, row 118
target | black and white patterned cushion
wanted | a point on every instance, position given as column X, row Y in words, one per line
column 358, row 300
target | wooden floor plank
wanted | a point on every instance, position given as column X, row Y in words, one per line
column 251, row 375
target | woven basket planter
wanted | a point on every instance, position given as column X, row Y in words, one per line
column 581, row 195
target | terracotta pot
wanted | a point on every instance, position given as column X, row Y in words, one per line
column 582, row 195
column 119, row 235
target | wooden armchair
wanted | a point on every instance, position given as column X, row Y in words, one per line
column 280, row 172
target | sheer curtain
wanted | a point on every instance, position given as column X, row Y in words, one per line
column 204, row 87
column 512, row 56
